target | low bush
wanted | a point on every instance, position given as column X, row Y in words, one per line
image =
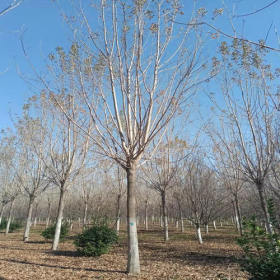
column 13, row 225
column 262, row 250
column 49, row 232
column 96, row 240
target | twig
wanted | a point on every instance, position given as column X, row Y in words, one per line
column 228, row 35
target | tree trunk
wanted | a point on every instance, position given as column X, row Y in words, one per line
column 9, row 217
column 265, row 209
column 2, row 212
column 118, row 213
column 164, row 213
column 59, row 219
column 198, row 232
column 146, row 215
column 85, row 214
column 214, row 225
column 28, row 219
column 133, row 263
column 238, row 215
column 48, row 215
column 206, row 229
column 182, row 221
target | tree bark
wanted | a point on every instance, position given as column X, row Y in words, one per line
column 146, row 215
column 214, row 225
column 198, row 232
column 118, row 213
column 85, row 214
column 182, row 221
column 48, row 215
column 28, row 219
column 133, row 263
column 2, row 212
column 164, row 213
column 238, row 215
column 264, row 208
column 59, row 219
column 206, row 229
column 9, row 217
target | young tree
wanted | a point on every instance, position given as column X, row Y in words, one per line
column 65, row 148
column 228, row 169
column 131, row 78
column 202, row 196
column 249, row 115
column 160, row 173
column 33, row 176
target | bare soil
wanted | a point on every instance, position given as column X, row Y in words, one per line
column 179, row 258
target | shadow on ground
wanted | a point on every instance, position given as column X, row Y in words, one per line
column 62, row 267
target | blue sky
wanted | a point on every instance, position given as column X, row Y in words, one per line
column 43, row 29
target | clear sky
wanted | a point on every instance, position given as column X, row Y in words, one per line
column 42, row 28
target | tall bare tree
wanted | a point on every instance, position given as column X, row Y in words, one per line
column 33, row 176
column 65, row 148
column 160, row 173
column 131, row 78
column 249, row 115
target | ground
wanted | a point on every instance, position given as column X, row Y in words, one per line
column 179, row 258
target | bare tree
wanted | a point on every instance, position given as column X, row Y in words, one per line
column 160, row 173
column 203, row 198
column 228, row 169
column 131, row 79
column 33, row 175
column 249, row 115
column 9, row 166
column 65, row 148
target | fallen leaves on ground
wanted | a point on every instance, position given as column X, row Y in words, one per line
column 179, row 258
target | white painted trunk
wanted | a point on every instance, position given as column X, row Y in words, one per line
column 28, row 220
column 9, row 217
column 214, row 225
column 182, row 225
column 166, row 237
column 146, row 223
column 265, row 209
column 58, row 220
column 118, row 225
column 118, row 214
column 35, row 221
column 133, row 262
column 146, row 216
column 165, row 218
column 177, row 224
column 206, row 229
column 2, row 212
column 48, row 214
column 198, row 232
column 161, row 221
column 85, row 214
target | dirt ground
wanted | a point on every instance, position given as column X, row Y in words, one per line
column 180, row 258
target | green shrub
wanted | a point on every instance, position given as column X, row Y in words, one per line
column 49, row 232
column 13, row 225
column 262, row 250
column 96, row 240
